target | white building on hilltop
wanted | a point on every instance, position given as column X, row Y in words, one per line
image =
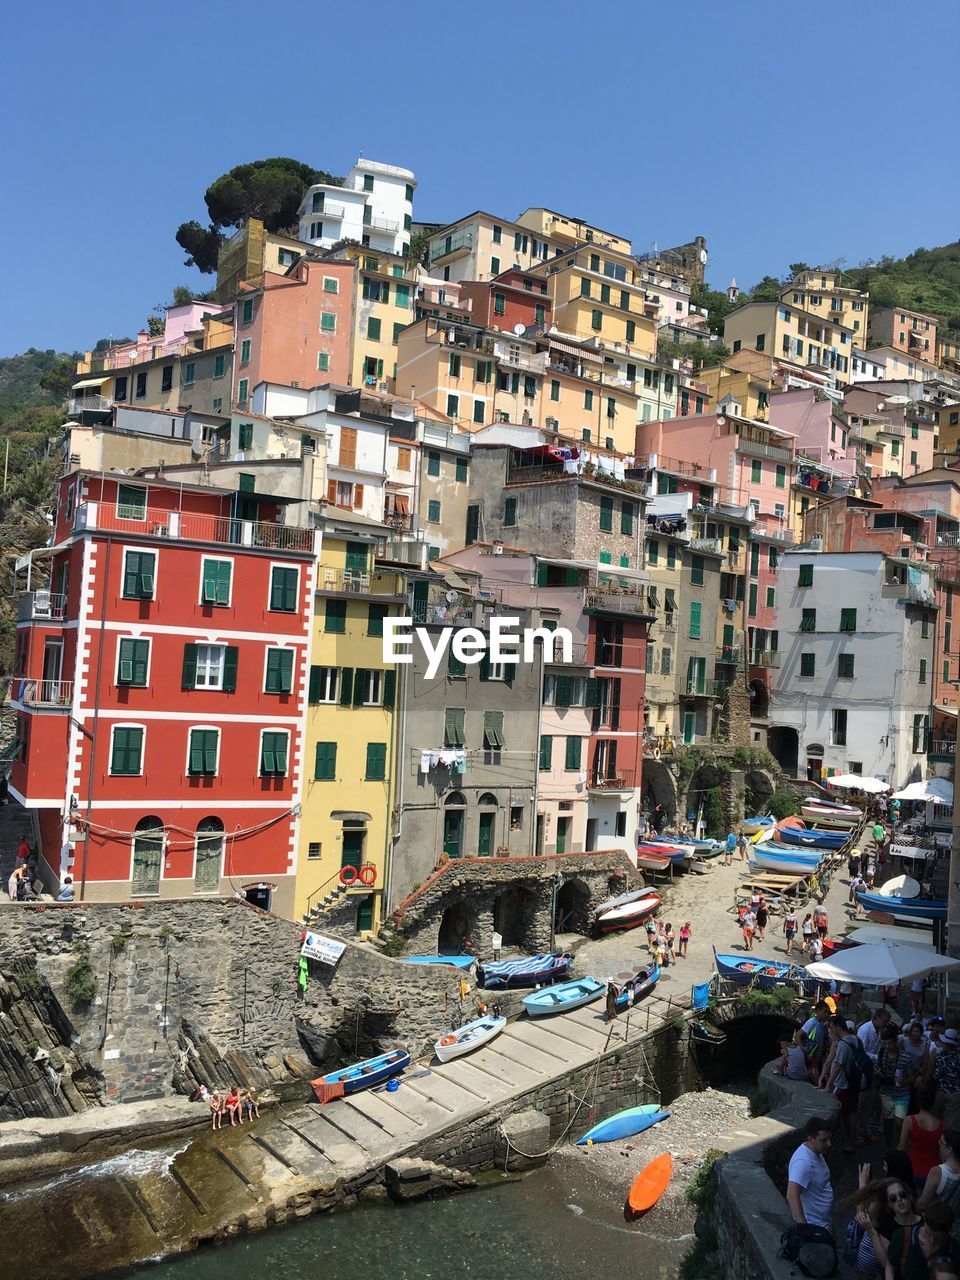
column 374, row 207
column 854, row 689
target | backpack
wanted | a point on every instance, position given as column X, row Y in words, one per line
column 852, row 1240
column 857, row 1064
column 811, row 1248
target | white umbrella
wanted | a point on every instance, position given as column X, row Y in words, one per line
column 939, row 790
column 881, row 964
column 854, row 782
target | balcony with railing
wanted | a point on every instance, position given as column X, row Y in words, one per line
column 552, row 471
column 729, row 655
column 772, row 532
column 350, row 582
column 400, row 551
column 46, row 695
column 88, row 404
column 764, row 658
column 381, row 224
column 191, row 526
column 578, row 656
column 909, row 593
column 452, row 246
column 711, row 546
column 942, row 749
column 40, row 606
column 760, row 449
column 608, row 784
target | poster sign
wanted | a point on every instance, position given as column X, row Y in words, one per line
column 911, row 851
column 317, row 946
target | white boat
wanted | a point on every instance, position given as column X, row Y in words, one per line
column 900, row 887
column 901, row 933
column 468, row 1037
column 621, row 901
column 756, row 826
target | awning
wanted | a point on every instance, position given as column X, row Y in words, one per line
column 944, row 711
column 937, row 790
column 451, row 577
column 578, row 352
column 90, row 382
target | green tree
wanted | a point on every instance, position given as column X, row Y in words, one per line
column 202, row 245
column 417, row 248
column 796, row 269
column 767, row 290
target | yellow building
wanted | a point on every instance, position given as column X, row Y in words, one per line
column 948, row 349
column 350, row 734
column 248, row 253
column 783, row 329
column 383, row 304
column 819, row 291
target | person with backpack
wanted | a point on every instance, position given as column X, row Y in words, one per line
column 847, row 1071
column 809, row 1190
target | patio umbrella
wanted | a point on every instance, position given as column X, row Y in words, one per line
column 854, row 782
column 881, row 964
column 939, row 790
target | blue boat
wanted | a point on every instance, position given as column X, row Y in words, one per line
column 532, row 971
column 362, row 1075
column 563, row 997
column 459, row 962
column 749, row 970
column 630, row 988
column 812, row 837
column 676, row 853
column 905, row 908
column 801, row 862
column 625, row 1124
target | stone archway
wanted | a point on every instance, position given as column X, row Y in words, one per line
column 759, row 789
column 759, row 699
column 456, row 927
column 659, row 787
column 703, row 795
column 784, row 745
column 511, row 910
column 572, row 909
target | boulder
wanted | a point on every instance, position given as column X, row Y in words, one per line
column 410, row 1179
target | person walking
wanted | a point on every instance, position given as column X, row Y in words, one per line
column 685, row 935
column 669, row 939
column 790, row 928
column 748, row 922
column 853, row 863
column 838, row 1078
column 23, row 850
column 820, row 921
column 890, row 1075
column 743, row 844
column 857, row 885
column 762, row 917
column 816, row 948
column 807, row 930
column 809, row 1190
column 731, row 846
column 814, row 1032
column 920, row 1135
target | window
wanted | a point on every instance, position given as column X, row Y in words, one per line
column 246, row 311
column 328, row 322
column 588, row 400
column 494, row 268
column 695, row 611
column 335, row 617
column 805, row 576
column 554, row 389
column 325, row 763
column 510, row 511
column 453, row 718
column 756, row 471
column 373, row 329
column 245, row 351
column 781, row 476
column 323, row 361
column 653, row 552
column 752, row 600
column 914, row 431
column 771, row 597
column 808, row 620
column 838, row 728
column 433, row 511
column 323, row 684
column 606, row 515
column 331, row 284
column 925, row 629
column 460, row 473
column 126, row 751
column 433, row 463
column 205, row 667
column 626, row 518
column 202, row 753
column 218, row 366
column 279, row 671
column 131, row 502
column 596, row 320
column 376, row 770
column 493, row 730
column 696, row 570
column 611, row 407
column 848, row 619
column 546, row 752
column 540, row 315
column 215, row 578
column 273, row 753
column 243, row 389
column 920, row 727
column 120, row 388
column 808, row 664
column 132, row 659
column 845, row 666
column 923, row 671
column 573, row 754
column 499, row 304
column 245, row 436
column 283, row 589
column 139, row 575
column 190, row 372
column 375, row 616
column 497, row 235
column 631, row 331
column 453, row 406
column 368, row 182
column 166, row 377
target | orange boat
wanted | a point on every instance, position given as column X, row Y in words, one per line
column 649, row 1185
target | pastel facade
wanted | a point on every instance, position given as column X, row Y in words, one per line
column 805, row 337
column 374, row 207
column 912, row 332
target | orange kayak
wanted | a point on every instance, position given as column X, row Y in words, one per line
column 650, row 1184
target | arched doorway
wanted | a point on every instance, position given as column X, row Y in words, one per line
column 759, row 791
column 454, row 813
column 487, row 832
column 509, row 916
column 759, row 699
column 784, row 745
column 704, row 801
column 147, row 856
column 572, row 911
column 209, row 855
column 455, row 926
column 659, row 788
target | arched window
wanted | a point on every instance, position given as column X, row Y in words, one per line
column 488, row 800
column 209, row 855
column 455, row 799
column 147, row 855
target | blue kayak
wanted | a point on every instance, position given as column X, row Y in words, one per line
column 459, row 962
column 625, row 1124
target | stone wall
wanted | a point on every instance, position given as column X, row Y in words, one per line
column 466, row 899
column 176, row 975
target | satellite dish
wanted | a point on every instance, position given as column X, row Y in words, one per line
column 881, row 405
column 452, row 596
column 519, row 329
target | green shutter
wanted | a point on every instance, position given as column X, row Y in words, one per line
column 360, row 686
column 231, row 658
column 573, row 753
column 376, row 761
column 562, row 691
column 626, row 518
column 455, row 666
column 216, row 581
column 279, row 671
column 273, row 755
column 189, row 680
column 283, row 590
column 592, row 698
column 346, row 686
column 695, row 608
column 546, row 751
column 389, row 688
column 127, row 751
column 313, row 688
column 134, row 655
column 375, row 616
column 606, row 515
column 335, row 617
column 325, row 768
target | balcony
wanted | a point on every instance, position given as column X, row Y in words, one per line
column 712, row 546
column 195, row 527
column 398, row 551
column 381, row 224
column 909, row 593
column 578, row 657
column 617, row 602
column 729, row 654
column 609, row 785
column 942, row 750
column 699, row 688
column 552, row 471
column 40, row 606
column 454, row 246
column 47, row 695
column 764, row 658
column 772, row 533
column 330, row 212
column 348, row 582
column 757, row 449
column 88, row 404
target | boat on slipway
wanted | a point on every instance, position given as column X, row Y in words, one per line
column 631, row 986
column 472, row 1035
column 625, row 1124
column 764, row 974
column 800, row 862
column 630, row 914
column 564, row 997
column 531, row 971
column 362, row 1075
column 793, row 831
column 904, row 909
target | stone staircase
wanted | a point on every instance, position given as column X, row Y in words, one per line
column 15, row 822
column 140, row 1048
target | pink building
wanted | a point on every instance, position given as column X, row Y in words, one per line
column 808, row 415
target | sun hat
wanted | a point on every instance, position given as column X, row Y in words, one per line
column 950, row 1036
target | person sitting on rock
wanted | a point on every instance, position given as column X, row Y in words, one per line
column 232, row 1104
column 215, row 1102
column 252, row 1105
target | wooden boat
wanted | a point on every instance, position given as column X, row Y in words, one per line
column 630, row 987
column 362, row 1075
column 788, row 862
column 649, row 1185
column 531, row 971
column 648, row 861
column 904, row 908
column 459, row 962
column 761, row 973
column 751, row 826
column 846, row 814
column 634, row 896
column 563, row 997
column 793, row 831
column 625, row 1124
column 675, row 853
column 468, row 1037
column 630, row 914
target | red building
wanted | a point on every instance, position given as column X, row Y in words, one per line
column 512, row 299
column 159, row 688
column 618, row 648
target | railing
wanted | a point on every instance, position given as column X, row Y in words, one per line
column 401, row 552
column 542, row 473
column 942, row 750
column 729, row 653
column 350, row 582
column 381, row 224
column 773, row 532
column 41, row 693
column 764, row 658
column 333, row 211
column 88, row 404
column 757, row 449
column 908, row 592
column 713, row 546
column 461, row 242
column 612, row 782
column 40, row 606
column 195, row 527
column 615, row 603
column 578, row 656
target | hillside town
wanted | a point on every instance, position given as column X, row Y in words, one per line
column 756, row 557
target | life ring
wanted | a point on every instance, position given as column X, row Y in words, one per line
column 368, row 874
column 345, row 879
column 447, row 1041
column 656, row 753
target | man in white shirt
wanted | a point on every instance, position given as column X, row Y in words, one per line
column 870, row 1033
column 809, row 1193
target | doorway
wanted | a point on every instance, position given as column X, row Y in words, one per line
column 689, row 727
column 365, row 914
column 147, row 856
column 50, row 687
column 591, row 833
column 352, row 854
column 563, row 834
column 485, row 834
column 453, row 811
column 206, row 875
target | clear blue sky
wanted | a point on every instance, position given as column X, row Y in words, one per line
column 781, row 133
